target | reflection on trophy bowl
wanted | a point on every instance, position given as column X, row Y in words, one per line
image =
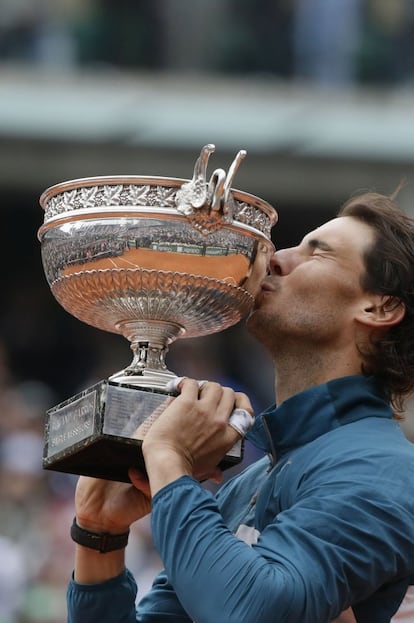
column 191, row 285
column 154, row 259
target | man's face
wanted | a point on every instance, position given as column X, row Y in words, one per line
column 314, row 290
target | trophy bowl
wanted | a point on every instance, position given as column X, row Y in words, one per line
column 153, row 259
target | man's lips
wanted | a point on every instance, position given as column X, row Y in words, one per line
column 267, row 287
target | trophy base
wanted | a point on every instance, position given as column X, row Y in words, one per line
column 99, row 432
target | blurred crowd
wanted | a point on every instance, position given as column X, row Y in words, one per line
column 335, row 42
column 34, row 508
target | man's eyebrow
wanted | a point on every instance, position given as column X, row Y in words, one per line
column 316, row 243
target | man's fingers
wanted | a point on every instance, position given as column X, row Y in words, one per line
column 140, row 481
column 176, row 384
column 243, row 402
column 241, row 420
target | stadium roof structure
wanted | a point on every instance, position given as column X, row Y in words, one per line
column 303, row 142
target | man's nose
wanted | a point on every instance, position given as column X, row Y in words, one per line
column 283, row 261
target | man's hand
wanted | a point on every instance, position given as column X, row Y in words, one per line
column 106, row 506
column 193, row 434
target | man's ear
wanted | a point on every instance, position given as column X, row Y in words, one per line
column 381, row 311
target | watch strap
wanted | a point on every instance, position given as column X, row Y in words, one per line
column 102, row 542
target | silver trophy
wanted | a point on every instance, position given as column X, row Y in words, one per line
column 154, row 259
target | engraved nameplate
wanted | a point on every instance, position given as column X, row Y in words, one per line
column 129, row 412
column 71, row 423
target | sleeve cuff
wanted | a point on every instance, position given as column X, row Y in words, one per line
column 125, row 576
column 183, row 480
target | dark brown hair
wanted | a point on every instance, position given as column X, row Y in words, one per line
column 389, row 264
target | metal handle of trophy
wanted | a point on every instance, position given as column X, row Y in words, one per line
column 230, row 177
column 219, row 187
column 197, row 194
column 200, row 175
column 216, row 189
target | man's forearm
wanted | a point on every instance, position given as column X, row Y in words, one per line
column 92, row 567
column 164, row 467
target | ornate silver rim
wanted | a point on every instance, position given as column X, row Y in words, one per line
column 136, row 194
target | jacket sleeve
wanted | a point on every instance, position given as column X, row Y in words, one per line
column 332, row 548
column 114, row 602
column 204, row 562
column 216, row 576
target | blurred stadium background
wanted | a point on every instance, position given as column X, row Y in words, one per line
column 319, row 92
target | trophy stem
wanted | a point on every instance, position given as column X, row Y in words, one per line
column 149, row 343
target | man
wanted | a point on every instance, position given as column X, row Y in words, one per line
column 324, row 524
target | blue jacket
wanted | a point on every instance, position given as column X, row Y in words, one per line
column 329, row 514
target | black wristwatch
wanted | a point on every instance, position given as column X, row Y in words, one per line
column 102, row 542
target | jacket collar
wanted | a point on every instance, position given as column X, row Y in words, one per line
column 317, row 410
